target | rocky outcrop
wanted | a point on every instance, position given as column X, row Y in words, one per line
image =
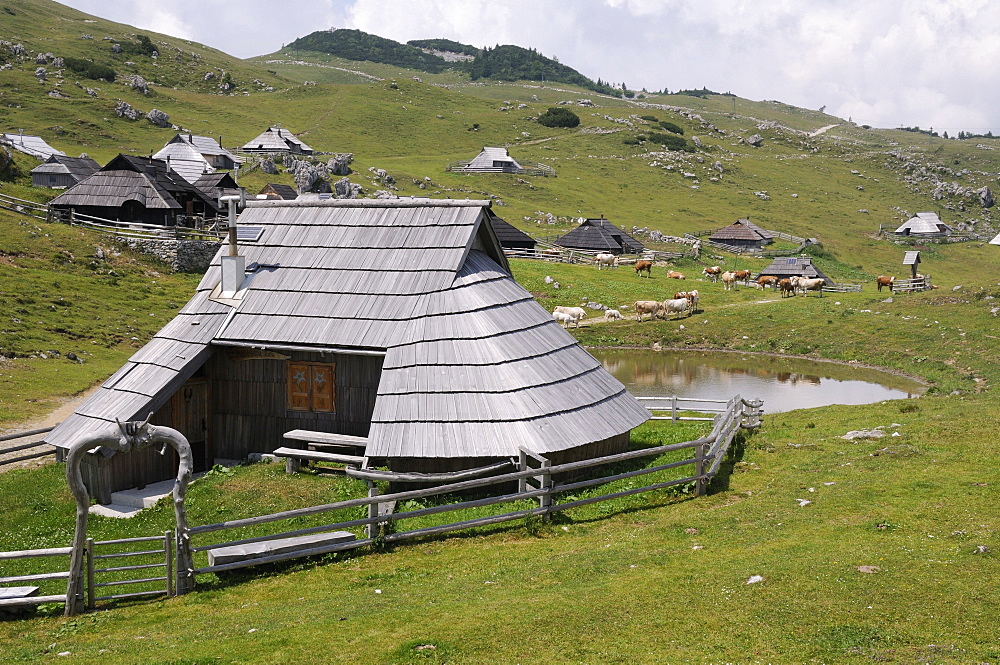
column 340, row 164
column 755, row 141
column 345, row 189
column 124, row 110
column 137, row 83
column 268, row 166
column 158, row 118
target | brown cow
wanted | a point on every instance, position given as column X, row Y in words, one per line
column 673, row 274
column 644, row 265
column 742, row 276
column 786, row 287
column 767, row 280
column 651, row 307
column 712, row 272
column 883, row 280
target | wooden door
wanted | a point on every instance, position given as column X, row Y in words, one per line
column 190, row 418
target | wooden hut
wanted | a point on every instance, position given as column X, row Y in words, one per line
column 30, row 145
column 136, row 189
column 912, row 259
column 185, row 161
column 511, row 237
column 600, row 235
column 210, row 149
column 924, row 225
column 275, row 191
column 62, row 171
column 395, row 320
column 216, row 185
column 743, row 233
column 801, row 266
column 277, row 139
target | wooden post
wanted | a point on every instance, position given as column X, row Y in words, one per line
column 168, row 551
column 372, row 530
column 522, row 465
column 292, row 465
column 673, row 409
column 545, row 483
column 90, row 574
column 700, row 485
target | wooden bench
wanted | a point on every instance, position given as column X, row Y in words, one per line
column 235, row 553
column 295, row 456
column 326, row 439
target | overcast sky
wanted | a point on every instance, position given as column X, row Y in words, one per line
column 886, row 63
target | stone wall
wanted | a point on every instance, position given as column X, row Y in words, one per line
column 181, row 255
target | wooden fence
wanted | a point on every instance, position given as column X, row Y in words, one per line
column 529, row 168
column 6, row 450
column 140, row 230
column 30, row 208
column 911, row 285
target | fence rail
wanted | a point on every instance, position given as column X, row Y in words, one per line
column 529, row 168
column 30, row 208
column 136, row 229
column 6, row 450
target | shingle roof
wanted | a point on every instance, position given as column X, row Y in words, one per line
column 508, row 234
column 286, row 192
column 600, row 235
column 739, row 230
column 925, row 223
column 78, row 167
column 785, row 266
column 488, row 156
column 30, row 145
column 210, row 182
column 205, row 145
column 185, row 160
column 473, row 366
column 276, row 139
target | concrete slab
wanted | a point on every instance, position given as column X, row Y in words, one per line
column 127, row 503
column 235, row 553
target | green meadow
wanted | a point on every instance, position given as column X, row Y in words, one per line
column 891, row 560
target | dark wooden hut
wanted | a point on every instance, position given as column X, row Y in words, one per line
column 743, row 233
column 62, row 171
column 216, row 185
column 600, row 235
column 136, row 189
column 510, row 236
column 801, row 266
column 397, row 320
column 275, row 191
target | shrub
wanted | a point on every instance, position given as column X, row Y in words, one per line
column 559, row 117
column 144, row 47
column 91, row 70
column 650, row 118
column 631, row 140
column 671, row 127
column 671, row 141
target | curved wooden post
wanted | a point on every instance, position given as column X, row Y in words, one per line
column 132, row 435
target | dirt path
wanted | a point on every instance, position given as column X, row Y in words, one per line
column 55, row 417
column 822, row 130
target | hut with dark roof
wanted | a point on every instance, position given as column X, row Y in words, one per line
column 395, row 320
column 600, row 235
column 216, row 185
column 63, row 171
column 743, row 233
column 275, row 191
column 510, row 236
column 924, row 225
column 800, row 266
column 277, row 139
column 136, row 189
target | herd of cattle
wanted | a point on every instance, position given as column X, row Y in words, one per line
column 687, row 301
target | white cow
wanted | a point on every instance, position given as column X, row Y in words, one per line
column 565, row 319
column 576, row 312
column 803, row 284
column 678, row 305
column 612, row 315
column 728, row 280
column 606, row 259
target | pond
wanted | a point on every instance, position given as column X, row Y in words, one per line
column 783, row 383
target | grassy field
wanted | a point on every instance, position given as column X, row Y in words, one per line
column 889, row 562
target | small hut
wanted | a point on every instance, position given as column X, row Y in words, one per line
column 277, row 139
column 30, row 145
column 600, row 235
column 275, row 191
column 912, row 259
column 743, row 233
column 924, row 225
column 62, row 171
column 185, row 161
column 136, row 189
column 210, row 149
column 497, row 160
column 511, row 237
column 799, row 266
column 216, row 185
column 395, row 320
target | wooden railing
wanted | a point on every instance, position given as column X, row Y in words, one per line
column 28, row 600
column 6, row 450
column 30, row 208
column 528, row 168
column 135, row 229
column 162, row 553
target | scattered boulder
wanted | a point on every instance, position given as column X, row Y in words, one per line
column 137, row 83
column 382, row 176
column 986, row 197
column 864, row 434
column 41, row 74
column 125, row 110
column 345, row 189
column 209, row 76
column 158, row 118
column 755, row 141
column 18, row 49
column 116, row 48
column 41, row 59
column 268, row 166
column 340, row 163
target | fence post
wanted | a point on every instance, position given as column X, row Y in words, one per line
column 700, row 485
column 90, row 574
column 545, row 482
column 522, row 465
column 168, row 551
column 673, row 409
column 372, row 529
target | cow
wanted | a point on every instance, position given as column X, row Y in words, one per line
column 815, row 284
column 576, row 312
column 679, row 305
column 884, row 280
column 612, row 315
column 728, row 280
column 644, row 265
column 694, row 298
column 712, row 272
column 673, row 274
column 565, row 319
column 742, row 276
column 786, row 287
column 651, row 307
column 606, row 259
column 767, row 280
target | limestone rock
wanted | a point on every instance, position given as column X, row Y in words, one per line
column 125, row 110
column 268, row 166
column 339, row 164
column 137, row 83
column 209, row 76
column 756, row 141
column 41, row 74
column 345, row 189
column 116, row 48
column 158, row 118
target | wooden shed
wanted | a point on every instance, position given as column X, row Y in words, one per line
column 185, row 161
column 743, row 233
column 216, row 185
column 210, row 149
column 395, row 320
column 600, row 235
column 924, row 225
column 62, row 171
column 136, row 189
column 801, row 266
column 510, row 236
column 275, row 191
column 277, row 139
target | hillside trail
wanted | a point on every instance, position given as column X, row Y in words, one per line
column 66, row 407
column 822, row 130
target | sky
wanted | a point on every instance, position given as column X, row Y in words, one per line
column 886, row 63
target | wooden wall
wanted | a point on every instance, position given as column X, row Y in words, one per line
column 249, row 401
